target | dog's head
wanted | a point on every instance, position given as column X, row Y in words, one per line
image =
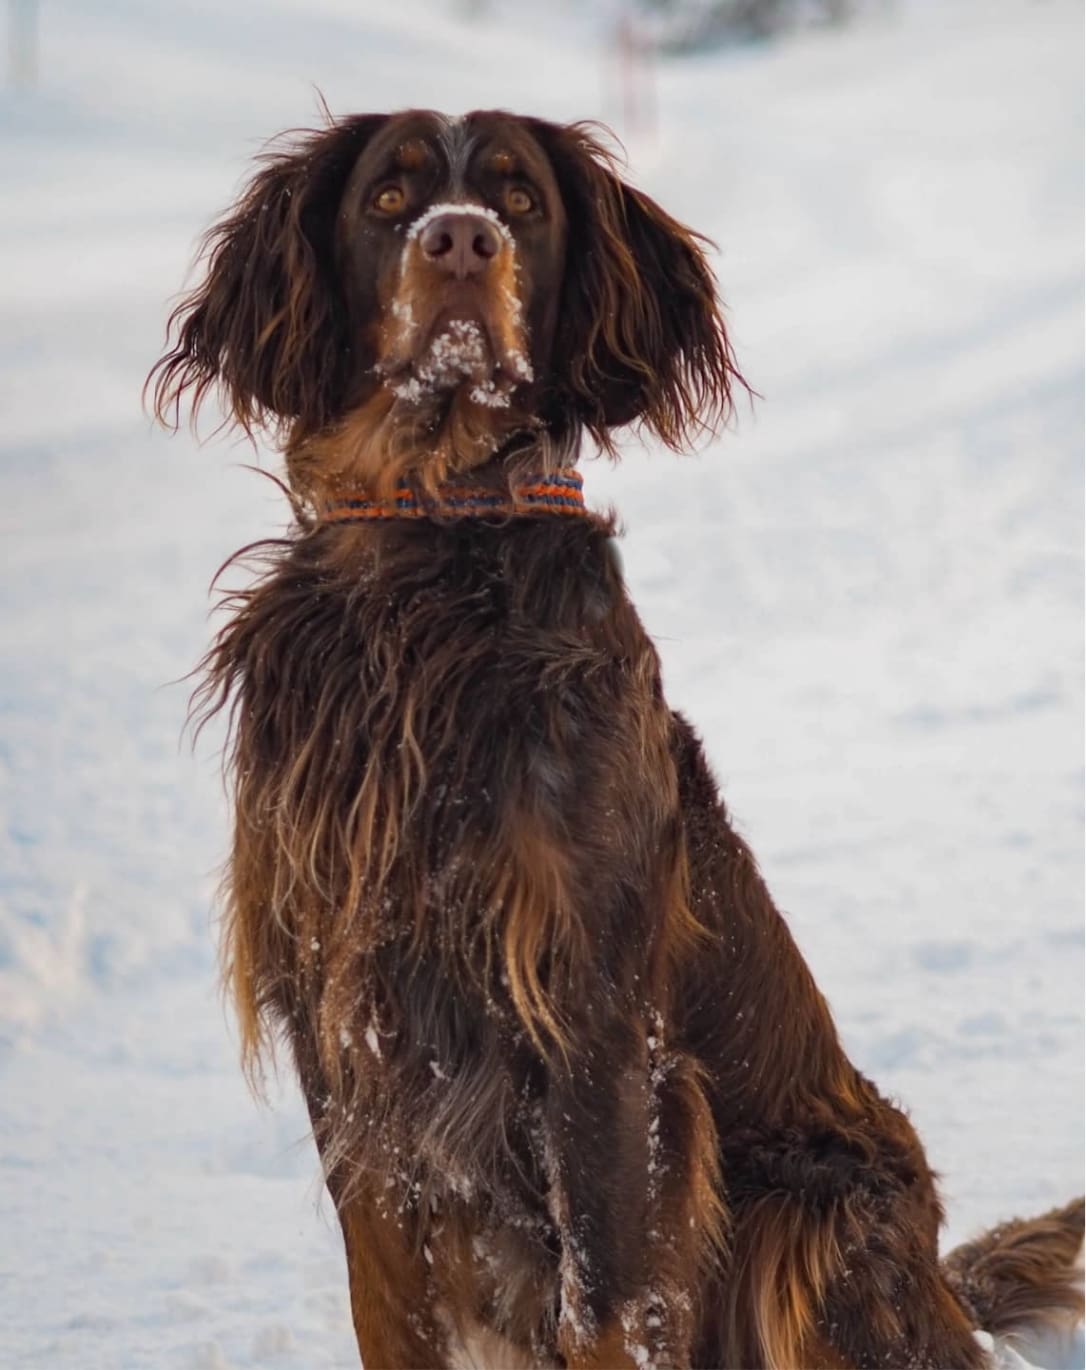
column 402, row 295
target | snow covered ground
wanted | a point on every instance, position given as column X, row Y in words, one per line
column 869, row 597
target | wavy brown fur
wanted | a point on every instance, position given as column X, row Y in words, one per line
column 640, row 321
column 1024, row 1275
column 505, row 888
column 575, row 1092
column 266, row 327
column 640, row 334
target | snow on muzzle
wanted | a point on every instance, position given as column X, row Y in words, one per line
column 457, row 316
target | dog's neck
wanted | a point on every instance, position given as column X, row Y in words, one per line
column 524, row 493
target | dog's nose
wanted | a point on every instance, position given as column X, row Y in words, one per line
column 461, row 244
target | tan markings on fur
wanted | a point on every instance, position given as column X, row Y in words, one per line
column 478, row 1348
column 496, row 1269
column 306, row 866
column 515, row 1301
column 508, row 316
column 390, row 1298
column 386, row 438
column 239, row 975
column 413, row 154
column 258, row 949
column 382, row 442
column 534, row 902
column 782, row 1263
column 683, row 931
column 702, row 1216
column 516, row 1276
column 411, row 309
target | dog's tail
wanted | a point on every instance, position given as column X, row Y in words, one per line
column 1023, row 1277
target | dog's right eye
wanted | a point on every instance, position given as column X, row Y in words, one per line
column 390, row 200
column 518, row 200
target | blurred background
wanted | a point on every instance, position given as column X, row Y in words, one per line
column 868, row 594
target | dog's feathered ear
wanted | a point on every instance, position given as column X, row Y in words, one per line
column 266, row 325
column 641, row 334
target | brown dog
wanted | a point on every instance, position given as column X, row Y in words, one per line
column 577, row 1098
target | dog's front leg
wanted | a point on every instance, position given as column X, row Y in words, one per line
column 599, row 1146
column 391, row 1286
column 391, row 1294
column 596, row 1152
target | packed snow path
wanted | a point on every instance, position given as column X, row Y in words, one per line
column 868, row 598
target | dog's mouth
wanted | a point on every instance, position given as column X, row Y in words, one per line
column 460, row 351
column 449, row 340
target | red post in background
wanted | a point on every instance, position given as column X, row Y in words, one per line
column 636, row 78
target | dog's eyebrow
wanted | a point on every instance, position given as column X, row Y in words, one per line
column 413, row 154
column 502, row 161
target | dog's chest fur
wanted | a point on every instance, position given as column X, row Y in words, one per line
column 436, row 725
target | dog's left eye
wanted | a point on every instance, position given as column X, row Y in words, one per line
column 390, row 200
column 518, row 201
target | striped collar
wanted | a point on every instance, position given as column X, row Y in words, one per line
column 558, row 492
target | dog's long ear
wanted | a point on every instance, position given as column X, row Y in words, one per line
column 266, row 325
column 641, row 334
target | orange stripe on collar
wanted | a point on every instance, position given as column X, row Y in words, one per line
column 539, row 493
